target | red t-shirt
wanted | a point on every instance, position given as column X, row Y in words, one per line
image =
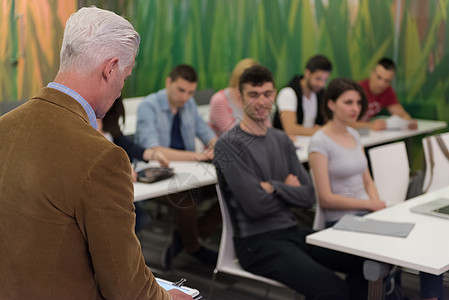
column 377, row 102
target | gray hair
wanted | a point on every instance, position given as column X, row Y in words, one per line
column 93, row 35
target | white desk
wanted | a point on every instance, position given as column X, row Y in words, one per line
column 377, row 137
column 386, row 136
column 189, row 175
column 425, row 249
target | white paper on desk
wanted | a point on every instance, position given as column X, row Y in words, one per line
column 395, row 122
column 361, row 224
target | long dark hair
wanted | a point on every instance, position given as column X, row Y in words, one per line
column 111, row 119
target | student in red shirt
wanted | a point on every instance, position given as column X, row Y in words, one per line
column 380, row 94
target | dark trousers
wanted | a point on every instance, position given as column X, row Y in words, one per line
column 431, row 285
column 190, row 226
column 283, row 255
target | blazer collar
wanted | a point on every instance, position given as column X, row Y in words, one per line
column 61, row 99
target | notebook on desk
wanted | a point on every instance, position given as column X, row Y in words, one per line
column 363, row 131
column 438, row 207
column 366, row 225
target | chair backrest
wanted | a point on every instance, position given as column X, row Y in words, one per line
column 226, row 253
column 319, row 222
column 391, row 171
column 227, row 261
column 440, row 176
column 7, row 106
column 130, row 105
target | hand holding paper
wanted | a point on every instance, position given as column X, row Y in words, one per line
column 395, row 122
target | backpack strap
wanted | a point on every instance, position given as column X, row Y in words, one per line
column 442, row 146
column 432, row 163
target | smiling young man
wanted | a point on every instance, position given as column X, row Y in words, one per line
column 261, row 178
column 299, row 103
column 381, row 95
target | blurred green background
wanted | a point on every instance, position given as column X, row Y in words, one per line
column 214, row 35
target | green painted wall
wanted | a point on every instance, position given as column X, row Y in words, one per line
column 214, row 35
column 30, row 39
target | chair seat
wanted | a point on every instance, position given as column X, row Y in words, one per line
column 235, row 269
column 227, row 260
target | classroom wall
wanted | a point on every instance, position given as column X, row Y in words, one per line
column 30, row 39
column 214, row 35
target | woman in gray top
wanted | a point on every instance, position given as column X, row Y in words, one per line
column 340, row 168
column 336, row 156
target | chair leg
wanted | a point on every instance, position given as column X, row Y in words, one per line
column 211, row 290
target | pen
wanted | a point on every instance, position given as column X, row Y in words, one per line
column 180, row 282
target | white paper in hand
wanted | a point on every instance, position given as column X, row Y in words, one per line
column 395, row 122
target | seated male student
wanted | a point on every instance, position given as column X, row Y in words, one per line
column 299, row 103
column 261, row 178
column 381, row 95
column 168, row 121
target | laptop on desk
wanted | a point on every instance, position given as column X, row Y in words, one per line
column 438, row 207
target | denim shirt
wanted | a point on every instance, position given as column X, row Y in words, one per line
column 154, row 122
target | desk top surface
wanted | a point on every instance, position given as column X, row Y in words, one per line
column 188, row 175
column 377, row 137
column 191, row 175
column 425, row 249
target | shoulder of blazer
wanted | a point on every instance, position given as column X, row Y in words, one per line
column 61, row 99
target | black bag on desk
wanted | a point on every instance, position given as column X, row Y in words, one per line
column 153, row 174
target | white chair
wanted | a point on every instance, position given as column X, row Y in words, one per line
column 227, row 261
column 130, row 105
column 440, row 177
column 391, row 171
column 319, row 222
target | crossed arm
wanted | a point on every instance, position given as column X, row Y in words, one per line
column 257, row 196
